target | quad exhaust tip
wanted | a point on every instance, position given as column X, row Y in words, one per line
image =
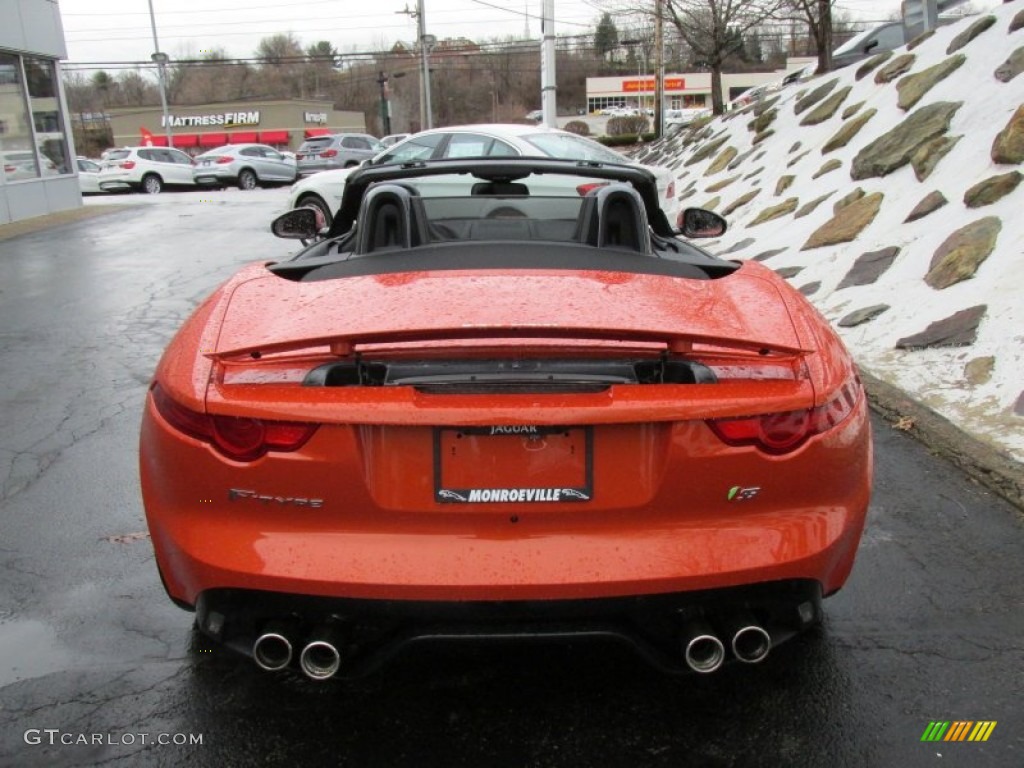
column 321, row 659
column 751, row 643
column 272, row 650
column 702, row 650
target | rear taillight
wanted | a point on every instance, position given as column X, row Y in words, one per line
column 778, row 433
column 223, row 160
column 583, row 189
column 670, row 190
column 128, row 164
column 238, row 438
column 329, row 153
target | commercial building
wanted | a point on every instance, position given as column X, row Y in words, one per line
column 283, row 124
column 35, row 143
column 691, row 90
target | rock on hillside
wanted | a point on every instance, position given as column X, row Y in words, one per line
column 890, row 195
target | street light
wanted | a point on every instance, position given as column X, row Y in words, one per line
column 161, row 62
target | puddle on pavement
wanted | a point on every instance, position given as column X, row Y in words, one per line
column 29, row 649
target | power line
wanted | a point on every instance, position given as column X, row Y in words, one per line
column 528, row 15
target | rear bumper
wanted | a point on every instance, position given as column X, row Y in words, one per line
column 253, row 552
column 212, row 178
column 112, row 185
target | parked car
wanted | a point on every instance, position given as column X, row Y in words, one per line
column 88, row 176
column 340, row 150
column 323, row 191
column 245, row 165
column 496, row 414
column 685, row 116
column 535, row 114
column 748, row 97
column 623, row 112
column 883, row 37
column 149, row 169
column 394, row 138
column 21, row 164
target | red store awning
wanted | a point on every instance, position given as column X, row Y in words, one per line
column 312, row 132
column 212, row 139
column 185, row 139
column 243, row 137
column 274, row 137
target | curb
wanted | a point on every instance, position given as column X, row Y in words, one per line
column 56, row 219
column 990, row 467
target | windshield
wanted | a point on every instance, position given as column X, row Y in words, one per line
column 119, row 154
column 412, row 149
column 857, row 42
column 568, row 146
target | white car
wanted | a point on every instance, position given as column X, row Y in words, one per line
column 245, row 165
column 22, row 164
column 323, row 191
column 685, row 116
column 394, row 138
column 149, row 169
column 88, row 176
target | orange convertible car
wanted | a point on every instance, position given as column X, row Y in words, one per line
column 499, row 399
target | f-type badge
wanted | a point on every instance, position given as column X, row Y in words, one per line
column 239, row 494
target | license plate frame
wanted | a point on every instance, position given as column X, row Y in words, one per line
column 481, row 465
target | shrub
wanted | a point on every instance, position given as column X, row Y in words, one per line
column 621, row 126
column 578, row 127
column 625, row 140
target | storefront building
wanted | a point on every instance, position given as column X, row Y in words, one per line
column 38, row 175
column 283, row 124
column 691, row 90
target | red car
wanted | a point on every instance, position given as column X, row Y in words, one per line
column 493, row 414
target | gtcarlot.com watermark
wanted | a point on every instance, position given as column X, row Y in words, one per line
column 56, row 737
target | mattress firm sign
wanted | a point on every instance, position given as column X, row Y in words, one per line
column 226, row 119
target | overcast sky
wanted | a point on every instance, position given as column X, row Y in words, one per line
column 119, row 30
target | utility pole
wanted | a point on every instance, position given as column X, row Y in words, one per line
column 426, row 113
column 385, row 107
column 161, row 63
column 659, row 70
column 426, row 43
column 548, row 88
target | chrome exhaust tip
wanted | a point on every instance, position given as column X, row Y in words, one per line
column 702, row 650
column 321, row 659
column 750, row 641
column 272, row 650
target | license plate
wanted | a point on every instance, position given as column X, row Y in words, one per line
column 513, row 464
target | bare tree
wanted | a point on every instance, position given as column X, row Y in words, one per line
column 715, row 29
column 282, row 65
column 817, row 14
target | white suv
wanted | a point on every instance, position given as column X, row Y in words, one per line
column 147, row 168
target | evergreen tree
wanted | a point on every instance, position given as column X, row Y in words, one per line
column 606, row 36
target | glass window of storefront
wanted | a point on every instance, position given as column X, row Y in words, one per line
column 33, row 138
column 672, row 101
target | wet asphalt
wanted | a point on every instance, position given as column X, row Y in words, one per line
column 97, row 666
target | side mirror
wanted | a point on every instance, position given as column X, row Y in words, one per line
column 697, row 222
column 297, row 224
